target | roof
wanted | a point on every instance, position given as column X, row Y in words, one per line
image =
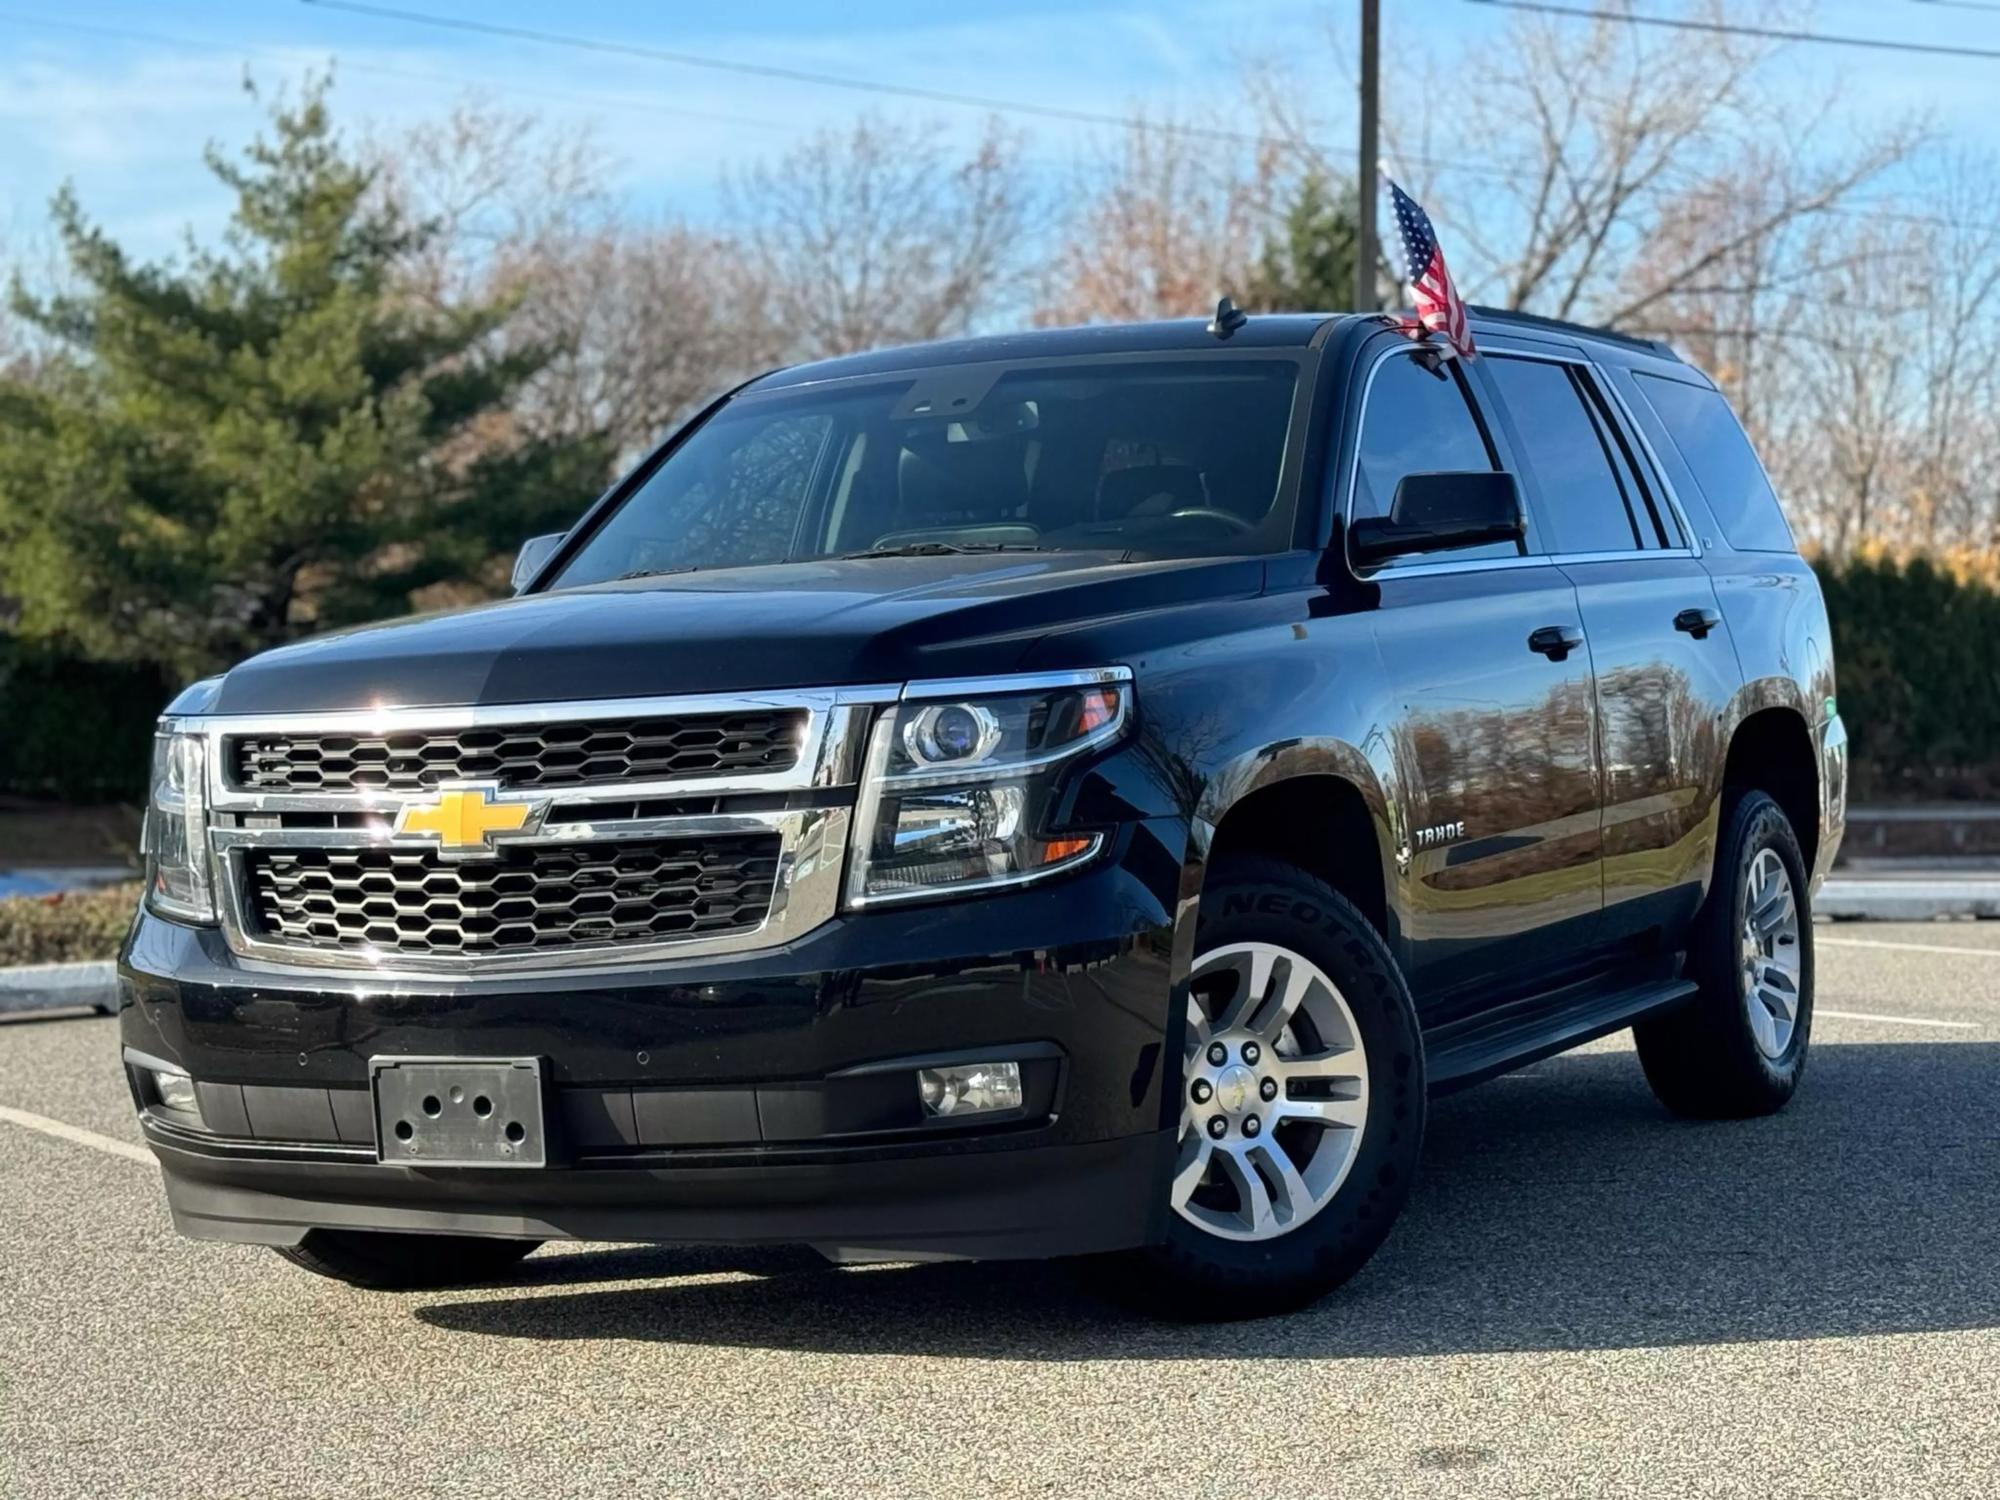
column 1262, row 331
column 1506, row 317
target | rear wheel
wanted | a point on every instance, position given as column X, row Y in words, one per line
column 1302, row 1103
column 406, row 1262
column 1739, row 1047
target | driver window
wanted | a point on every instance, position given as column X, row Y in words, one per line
column 1419, row 420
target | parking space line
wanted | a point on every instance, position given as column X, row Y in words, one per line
column 1827, row 942
column 1855, row 1015
column 76, row 1135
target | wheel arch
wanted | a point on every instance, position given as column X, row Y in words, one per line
column 1771, row 750
column 1318, row 808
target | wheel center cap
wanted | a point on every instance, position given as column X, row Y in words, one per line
column 1235, row 1087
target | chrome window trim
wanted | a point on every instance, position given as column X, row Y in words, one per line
column 1501, row 349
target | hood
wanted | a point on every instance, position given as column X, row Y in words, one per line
column 812, row 624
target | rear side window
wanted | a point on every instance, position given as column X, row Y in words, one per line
column 1419, row 421
column 1588, row 505
column 1712, row 444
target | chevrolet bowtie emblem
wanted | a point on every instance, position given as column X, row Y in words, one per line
column 470, row 820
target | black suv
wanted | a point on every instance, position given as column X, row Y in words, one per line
column 1069, row 792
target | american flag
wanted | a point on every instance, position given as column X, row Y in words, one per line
column 1438, row 307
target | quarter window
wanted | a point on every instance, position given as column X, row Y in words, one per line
column 1724, row 465
column 1419, row 420
column 1563, row 442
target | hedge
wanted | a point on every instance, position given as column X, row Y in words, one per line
column 1917, row 659
column 74, row 730
column 1917, row 649
column 73, row 927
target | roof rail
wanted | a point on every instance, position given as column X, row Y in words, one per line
column 1560, row 325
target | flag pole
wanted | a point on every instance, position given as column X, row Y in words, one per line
column 1366, row 296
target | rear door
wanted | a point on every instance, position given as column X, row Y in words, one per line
column 1495, row 807
column 1665, row 667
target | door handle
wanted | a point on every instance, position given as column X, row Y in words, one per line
column 1697, row 622
column 1556, row 641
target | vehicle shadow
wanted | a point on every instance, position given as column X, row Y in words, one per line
column 1558, row 1209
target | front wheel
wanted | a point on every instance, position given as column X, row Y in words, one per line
column 1302, row 1103
column 406, row 1262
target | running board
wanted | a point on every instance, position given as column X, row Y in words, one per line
column 1482, row 1046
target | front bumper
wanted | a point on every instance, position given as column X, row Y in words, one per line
column 757, row 1097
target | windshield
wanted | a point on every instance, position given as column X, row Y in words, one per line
column 1152, row 457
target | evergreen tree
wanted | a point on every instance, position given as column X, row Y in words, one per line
column 274, row 436
column 1308, row 266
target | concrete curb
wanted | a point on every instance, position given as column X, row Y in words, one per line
column 1847, row 898
column 35, row 987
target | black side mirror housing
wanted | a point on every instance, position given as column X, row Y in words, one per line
column 535, row 551
column 1441, row 513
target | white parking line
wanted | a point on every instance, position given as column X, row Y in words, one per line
column 1855, row 1015
column 1828, row 942
column 76, row 1135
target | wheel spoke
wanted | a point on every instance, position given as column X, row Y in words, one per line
column 1197, row 1026
column 1293, row 1199
column 1765, row 1027
column 1252, row 1196
column 1350, row 1113
column 1778, row 990
column 1196, row 1150
column 1774, row 908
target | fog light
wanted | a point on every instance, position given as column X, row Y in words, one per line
column 176, row 1091
column 970, row 1088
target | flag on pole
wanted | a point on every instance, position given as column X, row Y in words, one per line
column 1438, row 307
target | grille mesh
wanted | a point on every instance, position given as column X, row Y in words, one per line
column 527, row 755
column 527, row 900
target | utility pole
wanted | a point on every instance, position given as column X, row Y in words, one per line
column 1365, row 187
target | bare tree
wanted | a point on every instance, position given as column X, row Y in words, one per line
column 880, row 233
column 1163, row 223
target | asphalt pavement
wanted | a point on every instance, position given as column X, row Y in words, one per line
column 1585, row 1298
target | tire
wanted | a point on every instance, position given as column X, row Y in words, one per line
column 406, row 1262
column 1213, row 1264
column 1715, row 1058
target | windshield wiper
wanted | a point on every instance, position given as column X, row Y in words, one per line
column 945, row 549
column 653, row 573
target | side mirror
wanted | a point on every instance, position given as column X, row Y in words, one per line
column 1440, row 513
column 535, row 551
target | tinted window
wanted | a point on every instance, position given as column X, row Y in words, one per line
column 1713, row 446
column 1151, row 458
column 1418, row 421
column 1563, row 443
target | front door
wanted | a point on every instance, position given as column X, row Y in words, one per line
column 1490, row 727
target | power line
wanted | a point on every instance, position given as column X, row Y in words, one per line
column 1962, row 4
column 1726, row 28
column 769, row 70
column 188, row 44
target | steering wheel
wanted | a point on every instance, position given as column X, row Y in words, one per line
column 1228, row 518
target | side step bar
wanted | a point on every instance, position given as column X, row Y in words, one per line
column 1483, row 1046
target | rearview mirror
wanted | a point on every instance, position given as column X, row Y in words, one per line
column 1440, row 513
column 535, row 552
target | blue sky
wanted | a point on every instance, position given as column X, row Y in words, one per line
column 119, row 97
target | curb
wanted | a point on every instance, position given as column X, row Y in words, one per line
column 35, row 987
column 1852, row 898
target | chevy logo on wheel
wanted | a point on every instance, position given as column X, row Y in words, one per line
column 470, row 819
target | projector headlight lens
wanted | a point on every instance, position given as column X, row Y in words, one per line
column 958, row 789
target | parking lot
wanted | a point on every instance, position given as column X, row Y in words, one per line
column 1585, row 1298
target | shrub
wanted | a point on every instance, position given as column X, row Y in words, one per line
column 70, row 927
column 1917, row 655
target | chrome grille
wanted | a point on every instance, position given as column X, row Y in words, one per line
column 530, row 899
column 548, row 754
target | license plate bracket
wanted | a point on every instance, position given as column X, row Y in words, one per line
column 459, row 1111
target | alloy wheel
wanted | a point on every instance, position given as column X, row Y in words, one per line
column 1771, row 958
column 1275, row 1093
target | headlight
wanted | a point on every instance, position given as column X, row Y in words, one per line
column 957, row 792
column 177, row 865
